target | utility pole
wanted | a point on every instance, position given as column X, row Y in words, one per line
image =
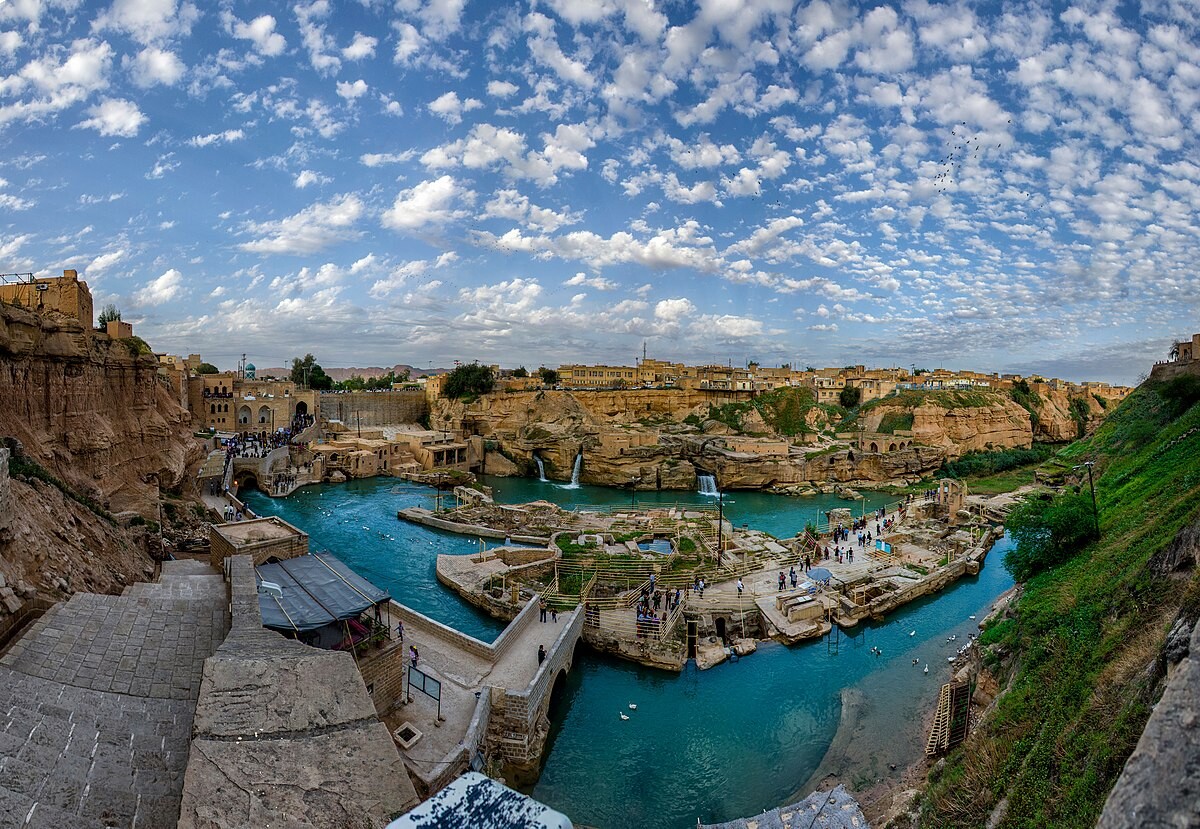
column 1092, row 487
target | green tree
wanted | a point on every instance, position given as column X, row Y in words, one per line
column 1047, row 532
column 549, row 376
column 307, row 372
column 520, row 371
column 109, row 313
column 207, row 368
column 850, row 397
column 469, row 380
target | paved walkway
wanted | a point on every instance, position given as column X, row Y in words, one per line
column 97, row 699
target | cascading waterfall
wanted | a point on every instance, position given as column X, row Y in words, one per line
column 575, row 473
column 541, row 468
column 707, row 485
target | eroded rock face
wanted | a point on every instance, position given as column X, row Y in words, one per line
column 94, row 415
column 90, row 411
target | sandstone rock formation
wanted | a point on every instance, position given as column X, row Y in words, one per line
column 91, row 413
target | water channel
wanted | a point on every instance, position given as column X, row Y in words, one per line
column 728, row 742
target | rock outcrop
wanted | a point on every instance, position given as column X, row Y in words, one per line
column 91, row 410
column 88, row 413
column 638, row 438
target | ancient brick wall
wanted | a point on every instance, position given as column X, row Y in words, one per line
column 374, row 408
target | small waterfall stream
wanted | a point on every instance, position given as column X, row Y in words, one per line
column 707, row 485
column 541, row 468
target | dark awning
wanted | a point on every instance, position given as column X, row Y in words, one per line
column 318, row 590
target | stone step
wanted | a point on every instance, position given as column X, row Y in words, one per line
column 76, row 757
column 187, row 567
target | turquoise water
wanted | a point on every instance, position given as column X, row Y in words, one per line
column 748, row 735
column 729, row 742
column 783, row 516
column 356, row 521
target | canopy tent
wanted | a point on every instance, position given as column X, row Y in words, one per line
column 317, row 590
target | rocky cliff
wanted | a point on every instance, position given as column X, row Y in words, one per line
column 93, row 433
column 90, row 410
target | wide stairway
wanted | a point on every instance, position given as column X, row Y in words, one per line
column 97, row 700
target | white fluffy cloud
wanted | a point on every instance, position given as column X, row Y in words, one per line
column 363, row 46
column 165, row 288
column 313, row 229
column 226, row 137
column 430, row 202
column 260, row 31
column 115, row 117
column 450, row 109
column 154, row 66
column 352, row 91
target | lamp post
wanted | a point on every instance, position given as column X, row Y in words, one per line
column 633, row 482
column 1092, row 487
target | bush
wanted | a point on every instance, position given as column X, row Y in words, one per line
column 1047, row 532
column 850, row 397
column 978, row 464
column 1181, row 393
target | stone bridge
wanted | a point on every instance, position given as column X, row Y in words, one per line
column 494, row 697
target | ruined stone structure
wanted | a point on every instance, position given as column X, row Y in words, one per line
column 230, row 403
column 65, row 294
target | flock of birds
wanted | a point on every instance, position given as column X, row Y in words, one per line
column 632, row 707
column 960, row 147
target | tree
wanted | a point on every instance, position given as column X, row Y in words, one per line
column 1047, row 532
column 520, row 371
column 307, row 372
column 207, row 368
column 850, row 397
column 109, row 313
column 549, row 376
column 468, row 380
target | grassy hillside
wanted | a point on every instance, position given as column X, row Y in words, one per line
column 784, row 410
column 1081, row 654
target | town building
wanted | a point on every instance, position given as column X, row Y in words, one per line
column 230, row 402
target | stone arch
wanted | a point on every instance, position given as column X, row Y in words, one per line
column 302, row 408
column 243, row 415
column 892, row 447
column 245, row 479
column 224, row 407
column 264, row 414
column 874, row 446
column 212, row 408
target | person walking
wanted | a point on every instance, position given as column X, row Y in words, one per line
column 413, row 655
column 400, row 629
column 739, row 588
column 541, row 654
column 542, row 607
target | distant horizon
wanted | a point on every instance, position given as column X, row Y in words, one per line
column 281, row 371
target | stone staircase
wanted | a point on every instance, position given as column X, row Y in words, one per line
column 97, row 700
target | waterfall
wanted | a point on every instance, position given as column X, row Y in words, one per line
column 707, row 484
column 575, row 473
column 541, row 468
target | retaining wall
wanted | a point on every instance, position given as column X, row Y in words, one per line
column 374, row 408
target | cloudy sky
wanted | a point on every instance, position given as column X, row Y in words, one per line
column 997, row 186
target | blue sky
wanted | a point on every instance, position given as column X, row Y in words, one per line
column 1003, row 186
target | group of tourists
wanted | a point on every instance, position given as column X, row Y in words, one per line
column 230, row 514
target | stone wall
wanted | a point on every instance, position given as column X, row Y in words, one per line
column 384, row 675
column 374, row 408
column 272, row 710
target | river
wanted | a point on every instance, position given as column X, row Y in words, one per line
column 729, row 742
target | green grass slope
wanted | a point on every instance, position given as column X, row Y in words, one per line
column 1081, row 655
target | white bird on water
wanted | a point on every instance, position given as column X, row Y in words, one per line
column 913, row 633
column 926, row 669
column 624, row 716
column 632, row 706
